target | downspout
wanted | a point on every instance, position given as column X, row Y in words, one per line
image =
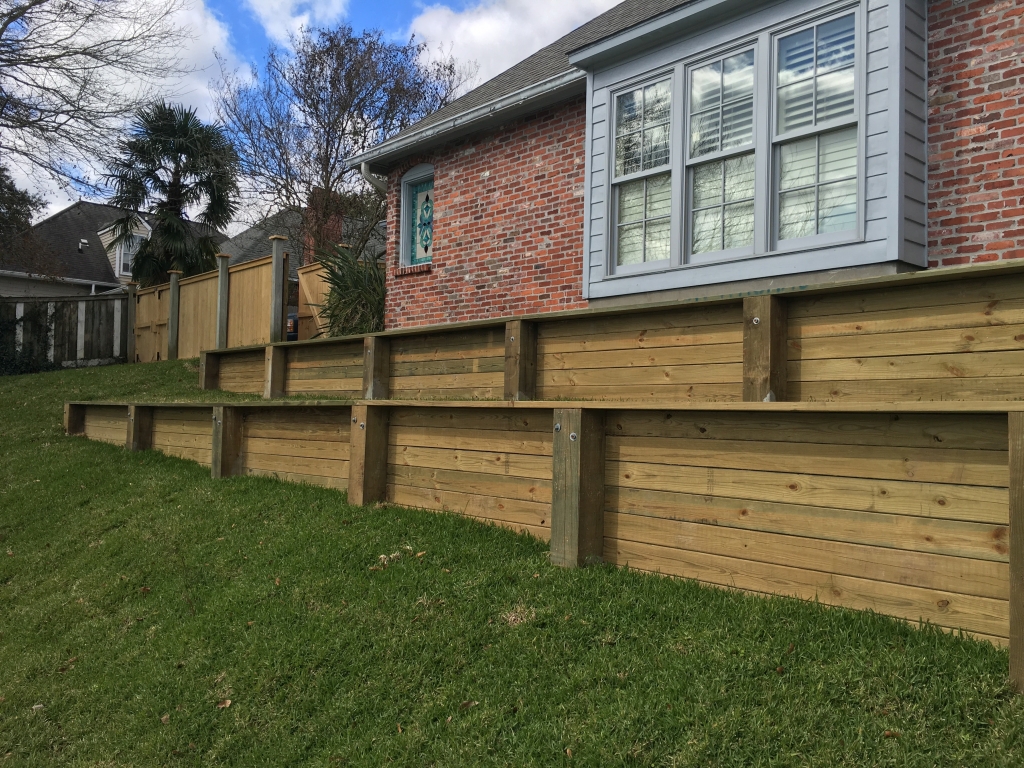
column 377, row 183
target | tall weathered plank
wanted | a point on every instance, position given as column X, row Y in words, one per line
column 764, row 348
column 1016, row 432
column 276, row 366
column 376, row 367
column 577, row 487
column 209, row 370
column 368, row 455
column 140, row 428
column 278, row 289
column 520, row 360
column 227, row 441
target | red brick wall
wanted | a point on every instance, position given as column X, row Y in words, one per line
column 508, row 225
column 976, row 136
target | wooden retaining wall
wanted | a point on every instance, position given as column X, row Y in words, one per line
column 902, row 509
column 951, row 334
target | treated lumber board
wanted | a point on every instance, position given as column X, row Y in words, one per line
column 948, row 502
column 297, row 449
column 945, row 366
column 349, row 387
column 955, row 538
column 927, row 465
column 74, row 418
column 317, row 467
column 530, row 443
column 140, row 428
column 275, row 367
column 225, row 441
column 970, row 315
column 577, row 487
column 657, row 376
column 963, row 575
column 368, row 457
column 178, row 440
column 978, row 432
column 209, row 370
column 301, row 430
column 461, row 418
column 728, row 334
column 164, row 426
column 376, row 367
column 520, row 363
column 449, row 394
column 764, row 348
column 344, row 353
column 513, row 511
column 112, row 436
column 449, row 367
column 339, row 483
column 946, row 609
column 651, row 357
column 487, row 462
column 642, row 319
column 473, row 483
column 967, row 289
column 974, row 390
column 543, row 534
column 491, row 380
column 678, row 393
column 1016, row 633
column 998, row 338
column 199, row 456
column 316, row 373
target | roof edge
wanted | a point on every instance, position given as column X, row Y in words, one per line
column 502, row 109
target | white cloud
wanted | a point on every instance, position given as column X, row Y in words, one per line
column 499, row 33
column 281, row 18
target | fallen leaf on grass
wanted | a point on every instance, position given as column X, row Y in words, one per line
column 37, row 707
column 224, row 704
column 891, row 734
column 277, row 581
column 468, row 704
column 780, row 670
column 145, row 590
column 449, row 719
column 420, row 554
column 399, row 727
column 165, row 719
column 568, row 752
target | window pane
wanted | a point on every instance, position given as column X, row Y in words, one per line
column 739, row 225
column 796, row 106
column 737, row 124
column 835, row 95
column 706, row 87
column 835, row 44
column 631, row 245
column 796, row 214
column 704, row 133
column 707, row 184
column 707, row 230
column 837, row 155
column 628, row 113
column 797, row 163
column 658, row 238
column 796, row 56
column 627, row 154
column 631, row 202
column 738, row 77
column 655, row 147
column 739, row 177
column 657, row 100
column 659, row 196
column 837, row 206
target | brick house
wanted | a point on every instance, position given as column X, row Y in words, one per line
column 674, row 149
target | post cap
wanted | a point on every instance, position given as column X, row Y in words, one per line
column 223, row 255
column 278, row 237
column 175, row 272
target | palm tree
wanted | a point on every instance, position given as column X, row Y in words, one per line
column 172, row 165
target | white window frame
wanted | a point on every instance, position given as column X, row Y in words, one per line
column 125, row 248
column 412, row 177
column 764, row 146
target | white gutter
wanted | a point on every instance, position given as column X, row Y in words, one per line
column 49, row 279
column 467, row 121
column 379, row 184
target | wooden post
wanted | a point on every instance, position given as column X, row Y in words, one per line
column 133, row 300
column 368, row 458
column 209, row 370
column 74, row 419
column 227, row 442
column 278, row 289
column 1016, row 435
column 140, row 428
column 274, row 372
column 577, row 488
column 223, row 296
column 764, row 349
column 520, row 360
column 376, row 367
column 173, row 315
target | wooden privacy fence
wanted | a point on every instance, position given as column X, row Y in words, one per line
column 313, row 290
column 235, row 306
column 66, row 331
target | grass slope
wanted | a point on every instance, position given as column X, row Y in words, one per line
column 136, row 594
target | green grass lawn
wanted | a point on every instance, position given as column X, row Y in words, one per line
column 137, row 595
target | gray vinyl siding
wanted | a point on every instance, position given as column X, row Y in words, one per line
column 891, row 73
